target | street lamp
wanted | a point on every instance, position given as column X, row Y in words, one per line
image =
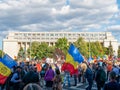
column 89, row 45
column 29, row 47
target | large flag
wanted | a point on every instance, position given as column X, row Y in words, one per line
column 73, row 58
column 6, row 63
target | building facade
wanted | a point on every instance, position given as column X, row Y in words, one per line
column 15, row 40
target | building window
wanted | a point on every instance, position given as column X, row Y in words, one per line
column 51, row 34
column 56, row 34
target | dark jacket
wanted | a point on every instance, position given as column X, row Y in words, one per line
column 89, row 74
column 31, row 77
column 112, row 86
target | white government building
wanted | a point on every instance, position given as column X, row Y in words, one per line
column 15, row 40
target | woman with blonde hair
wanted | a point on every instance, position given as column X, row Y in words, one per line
column 32, row 86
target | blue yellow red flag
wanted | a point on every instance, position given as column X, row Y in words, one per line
column 6, row 63
column 73, row 58
column 74, row 52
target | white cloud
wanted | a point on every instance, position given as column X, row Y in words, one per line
column 55, row 15
column 114, row 28
column 64, row 10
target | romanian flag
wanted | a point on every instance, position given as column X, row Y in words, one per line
column 73, row 58
column 6, row 63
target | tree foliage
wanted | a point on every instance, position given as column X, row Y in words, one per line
column 119, row 52
column 42, row 50
column 62, row 43
column 1, row 53
column 82, row 46
column 110, row 49
column 21, row 54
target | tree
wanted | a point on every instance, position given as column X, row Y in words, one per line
column 1, row 53
column 62, row 43
column 119, row 52
column 93, row 49
column 110, row 48
column 21, row 54
column 99, row 49
column 43, row 51
column 82, row 46
column 33, row 49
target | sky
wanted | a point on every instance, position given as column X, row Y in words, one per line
column 59, row 15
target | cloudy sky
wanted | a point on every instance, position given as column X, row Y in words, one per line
column 59, row 15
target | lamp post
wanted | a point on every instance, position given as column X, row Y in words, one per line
column 89, row 45
column 2, row 48
column 30, row 48
column 28, row 38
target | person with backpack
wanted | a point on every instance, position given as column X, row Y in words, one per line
column 100, row 77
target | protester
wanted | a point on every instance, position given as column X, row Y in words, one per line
column 16, row 79
column 100, row 77
column 75, row 78
column 89, row 77
column 116, row 70
column 112, row 85
column 57, row 80
column 109, row 69
column 66, row 78
column 49, row 75
column 83, row 69
column 31, row 76
column 79, row 73
column 42, row 74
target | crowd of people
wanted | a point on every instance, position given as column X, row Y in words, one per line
column 45, row 76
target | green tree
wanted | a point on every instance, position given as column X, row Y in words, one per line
column 93, row 49
column 44, row 50
column 62, row 43
column 1, row 53
column 119, row 52
column 106, row 50
column 21, row 54
column 99, row 49
column 82, row 46
column 110, row 48
column 33, row 49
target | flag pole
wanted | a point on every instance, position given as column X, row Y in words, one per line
column 2, row 47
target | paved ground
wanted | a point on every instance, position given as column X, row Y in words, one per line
column 80, row 86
